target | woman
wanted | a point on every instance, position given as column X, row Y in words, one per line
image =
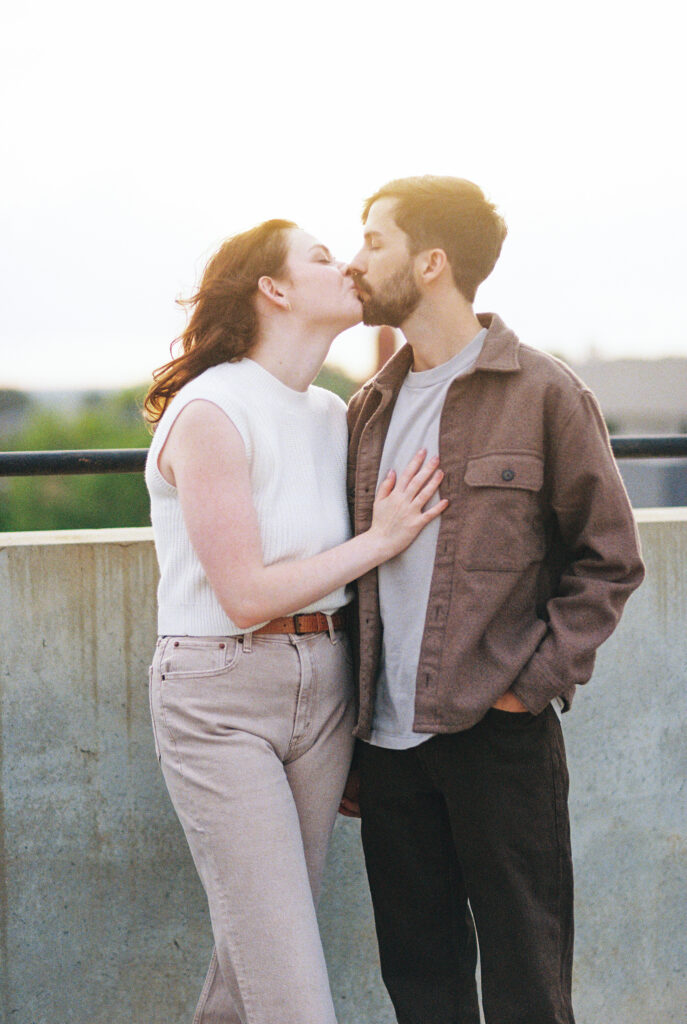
column 251, row 680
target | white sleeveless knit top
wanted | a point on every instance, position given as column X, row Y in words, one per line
column 296, row 445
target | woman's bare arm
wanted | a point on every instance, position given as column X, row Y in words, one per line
column 214, row 490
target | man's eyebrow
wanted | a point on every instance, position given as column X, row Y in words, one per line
column 371, row 234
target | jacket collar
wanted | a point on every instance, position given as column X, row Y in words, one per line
column 499, row 352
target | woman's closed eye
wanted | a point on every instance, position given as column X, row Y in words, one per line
column 322, row 254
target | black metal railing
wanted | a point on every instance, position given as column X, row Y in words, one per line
column 659, row 446
column 132, row 460
column 94, row 460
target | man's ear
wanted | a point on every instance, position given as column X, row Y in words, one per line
column 431, row 264
column 268, row 287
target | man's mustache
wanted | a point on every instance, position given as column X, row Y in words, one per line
column 359, row 281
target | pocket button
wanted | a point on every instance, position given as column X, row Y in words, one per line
column 508, row 475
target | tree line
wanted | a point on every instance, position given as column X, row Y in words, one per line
column 94, row 501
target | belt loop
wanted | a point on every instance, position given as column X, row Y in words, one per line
column 247, row 643
column 330, row 627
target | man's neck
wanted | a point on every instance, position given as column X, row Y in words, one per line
column 438, row 332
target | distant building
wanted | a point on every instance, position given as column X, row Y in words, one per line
column 644, row 396
column 14, row 409
column 639, row 396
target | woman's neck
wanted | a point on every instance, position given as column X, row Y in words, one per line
column 294, row 356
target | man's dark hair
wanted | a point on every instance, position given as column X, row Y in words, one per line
column 450, row 214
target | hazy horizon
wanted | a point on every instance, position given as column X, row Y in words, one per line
column 590, row 359
column 135, row 139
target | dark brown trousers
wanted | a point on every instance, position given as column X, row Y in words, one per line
column 469, row 831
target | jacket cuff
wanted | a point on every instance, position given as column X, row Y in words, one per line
column 536, row 687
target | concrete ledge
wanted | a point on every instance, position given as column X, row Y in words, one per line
column 660, row 515
column 29, row 538
column 103, row 920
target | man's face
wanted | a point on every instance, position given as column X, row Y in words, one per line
column 384, row 271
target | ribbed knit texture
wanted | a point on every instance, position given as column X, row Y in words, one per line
column 296, row 444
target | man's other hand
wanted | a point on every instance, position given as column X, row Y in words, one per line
column 349, row 806
column 509, row 702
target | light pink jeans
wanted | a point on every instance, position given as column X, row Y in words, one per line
column 254, row 740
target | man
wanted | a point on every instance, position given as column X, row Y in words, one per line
column 472, row 639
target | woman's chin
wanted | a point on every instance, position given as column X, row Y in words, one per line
column 350, row 318
column 356, row 315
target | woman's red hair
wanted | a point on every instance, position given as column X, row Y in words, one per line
column 223, row 323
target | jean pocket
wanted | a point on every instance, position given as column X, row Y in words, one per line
column 517, row 738
column 501, row 719
column 197, row 658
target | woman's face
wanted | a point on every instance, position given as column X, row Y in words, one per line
column 316, row 284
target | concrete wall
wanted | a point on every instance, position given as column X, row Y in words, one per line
column 103, row 920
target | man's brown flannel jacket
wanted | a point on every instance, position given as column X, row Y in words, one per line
column 537, row 552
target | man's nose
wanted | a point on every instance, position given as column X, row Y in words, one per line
column 356, row 265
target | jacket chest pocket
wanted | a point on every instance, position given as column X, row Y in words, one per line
column 500, row 514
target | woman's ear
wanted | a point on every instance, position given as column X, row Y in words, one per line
column 269, row 288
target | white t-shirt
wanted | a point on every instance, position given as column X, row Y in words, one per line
column 296, row 445
column 404, row 581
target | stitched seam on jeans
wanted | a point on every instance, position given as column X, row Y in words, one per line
column 314, row 700
column 170, row 733
column 152, row 716
column 298, row 740
column 559, row 846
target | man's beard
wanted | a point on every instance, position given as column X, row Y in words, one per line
column 393, row 305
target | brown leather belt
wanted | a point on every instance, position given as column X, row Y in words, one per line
column 312, row 622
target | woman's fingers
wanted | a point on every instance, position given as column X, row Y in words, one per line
column 387, row 484
column 399, row 512
column 412, row 469
column 429, row 489
column 416, row 479
column 435, row 510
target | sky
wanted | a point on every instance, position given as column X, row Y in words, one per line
column 135, row 137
